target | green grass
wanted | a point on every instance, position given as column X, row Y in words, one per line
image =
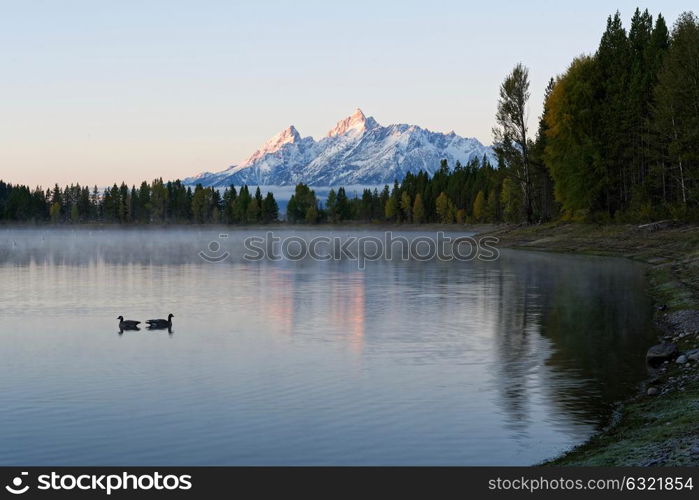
column 665, row 289
column 659, row 429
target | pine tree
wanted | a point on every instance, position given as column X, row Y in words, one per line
column 442, row 207
column 511, row 134
column 343, row 207
column 158, row 201
column 406, row 206
column 311, row 216
column 331, row 206
column 55, row 212
column 200, row 204
column 391, row 211
column 511, row 201
column 418, row 210
column 612, row 66
column 543, row 198
column 240, row 205
column 657, row 181
column 270, row 209
column 366, row 210
column 229, row 197
column 574, row 143
column 492, row 210
column 253, row 211
column 478, row 207
column 676, row 111
column 640, row 88
column 300, row 203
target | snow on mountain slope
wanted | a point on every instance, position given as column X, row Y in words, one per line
column 356, row 151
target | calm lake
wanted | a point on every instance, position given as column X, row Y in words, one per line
column 404, row 363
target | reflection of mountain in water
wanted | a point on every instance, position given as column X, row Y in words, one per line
column 570, row 329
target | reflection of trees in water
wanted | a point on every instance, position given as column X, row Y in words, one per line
column 597, row 323
column 516, row 341
column 563, row 328
column 598, row 318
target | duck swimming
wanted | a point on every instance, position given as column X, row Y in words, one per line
column 127, row 324
column 159, row 324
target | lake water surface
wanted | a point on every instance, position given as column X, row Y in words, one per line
column 473, row 363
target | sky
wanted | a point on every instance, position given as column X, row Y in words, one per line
column 103, row 92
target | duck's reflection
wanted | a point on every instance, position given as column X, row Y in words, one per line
column 161, row 328
column 169, row 329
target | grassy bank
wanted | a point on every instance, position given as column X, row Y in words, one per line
column 661, row 428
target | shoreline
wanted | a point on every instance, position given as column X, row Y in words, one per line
column 658, row 426
column 282, row 225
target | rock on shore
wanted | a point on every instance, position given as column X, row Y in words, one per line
column 660, row 353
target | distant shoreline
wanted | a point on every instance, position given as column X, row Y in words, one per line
column 276, row 226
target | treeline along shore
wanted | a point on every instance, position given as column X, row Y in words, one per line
column 618, row 141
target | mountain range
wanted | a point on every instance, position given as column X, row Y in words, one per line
column 356, row 151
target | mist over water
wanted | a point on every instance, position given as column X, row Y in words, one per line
column 505, row 362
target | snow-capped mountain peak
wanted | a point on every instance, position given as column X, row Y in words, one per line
column 356, row 123
column 357, row 151
column 287, row 136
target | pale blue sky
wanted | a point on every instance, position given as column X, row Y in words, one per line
column 97, row 91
